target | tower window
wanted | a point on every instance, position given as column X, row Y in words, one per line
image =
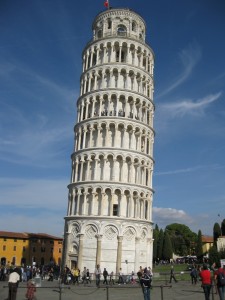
column 134, row 26
column 122, row 30
column 115, row 209
column 99, row 34
column 109, row 24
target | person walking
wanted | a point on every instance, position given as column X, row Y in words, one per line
column 172, row 275
column 13, row 282
column 194, row 275
column 205, row 276
column 105, row 275
column 220, row 281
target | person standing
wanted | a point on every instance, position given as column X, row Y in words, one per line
column 120, row 277
column 98, row 275
column 146, row 284
column 205, row 276
column 76, row 276
column 105, row 275
column 172, row 275
column 194, row 275
column 14, row 279
column 31, row 289
column 220, row 281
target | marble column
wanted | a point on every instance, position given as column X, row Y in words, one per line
column 119, row 253
column 80, row 251
column 99, row 249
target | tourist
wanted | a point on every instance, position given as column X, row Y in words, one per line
column 111, row 278
column 98, row 275
column 172, row 275
column 88, row 276
column 205, row 276
column 105, row 275
column 31, row 289
column 120, row 277
column 14, row 279
column 194, row 275
column 146, row 284
column 220, row 281
column 76, row 276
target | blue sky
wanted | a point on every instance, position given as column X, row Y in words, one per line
column 41, row 42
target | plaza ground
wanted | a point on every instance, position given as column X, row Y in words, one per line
column 183, row 290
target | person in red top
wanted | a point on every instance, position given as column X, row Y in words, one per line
column 31, row 289
column 206, row 281
column 220, row 285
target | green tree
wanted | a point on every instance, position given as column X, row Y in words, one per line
column 214, row 256
column 167, row 252
column 199, row 250
column 216, row 232
column 160, row 244
column 182, row 238
column 155, row 242
column 223, row 227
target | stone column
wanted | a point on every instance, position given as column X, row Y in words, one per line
column 91, row 58
column 119, row 254
column 78, row 203
column 87, row 59
column 65, row 260
column 73, row 203
column 99, row 249
column 88, row 169
column 76, row 169
column 85, row 204
column 80, row 252
column 84, row 138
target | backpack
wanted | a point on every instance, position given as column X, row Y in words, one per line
column 221, row 279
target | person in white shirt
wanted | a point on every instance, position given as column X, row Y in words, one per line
column 14, row 279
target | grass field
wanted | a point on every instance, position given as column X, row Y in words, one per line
column 162, row 272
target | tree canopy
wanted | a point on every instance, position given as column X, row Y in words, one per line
column 182, row 238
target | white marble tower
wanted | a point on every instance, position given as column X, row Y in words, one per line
column 109, row 217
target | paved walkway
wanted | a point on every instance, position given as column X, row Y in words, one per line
column 50, row 291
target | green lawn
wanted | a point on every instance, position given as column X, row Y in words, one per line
column 162, row 272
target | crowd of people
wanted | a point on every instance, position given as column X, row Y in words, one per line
column 207, row 276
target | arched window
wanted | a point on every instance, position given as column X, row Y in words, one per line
column 99, row 34
column 121, row 30
column 109, row 24
column 134, row 26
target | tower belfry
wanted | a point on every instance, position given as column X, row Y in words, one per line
column 109, row 217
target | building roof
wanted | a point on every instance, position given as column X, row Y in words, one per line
column 207, row 239
column 27, row 235
column 9, row 234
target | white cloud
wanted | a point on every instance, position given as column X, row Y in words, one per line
column 166, row 216
column 189, row 107
column 189, row 57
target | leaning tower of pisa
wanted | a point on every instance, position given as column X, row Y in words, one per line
column 109, row 216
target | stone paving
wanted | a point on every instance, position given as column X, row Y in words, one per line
column 182, row 290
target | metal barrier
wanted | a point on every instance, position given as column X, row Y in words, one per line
column 109, row 292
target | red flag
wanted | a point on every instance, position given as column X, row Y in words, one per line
column 106, row 3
